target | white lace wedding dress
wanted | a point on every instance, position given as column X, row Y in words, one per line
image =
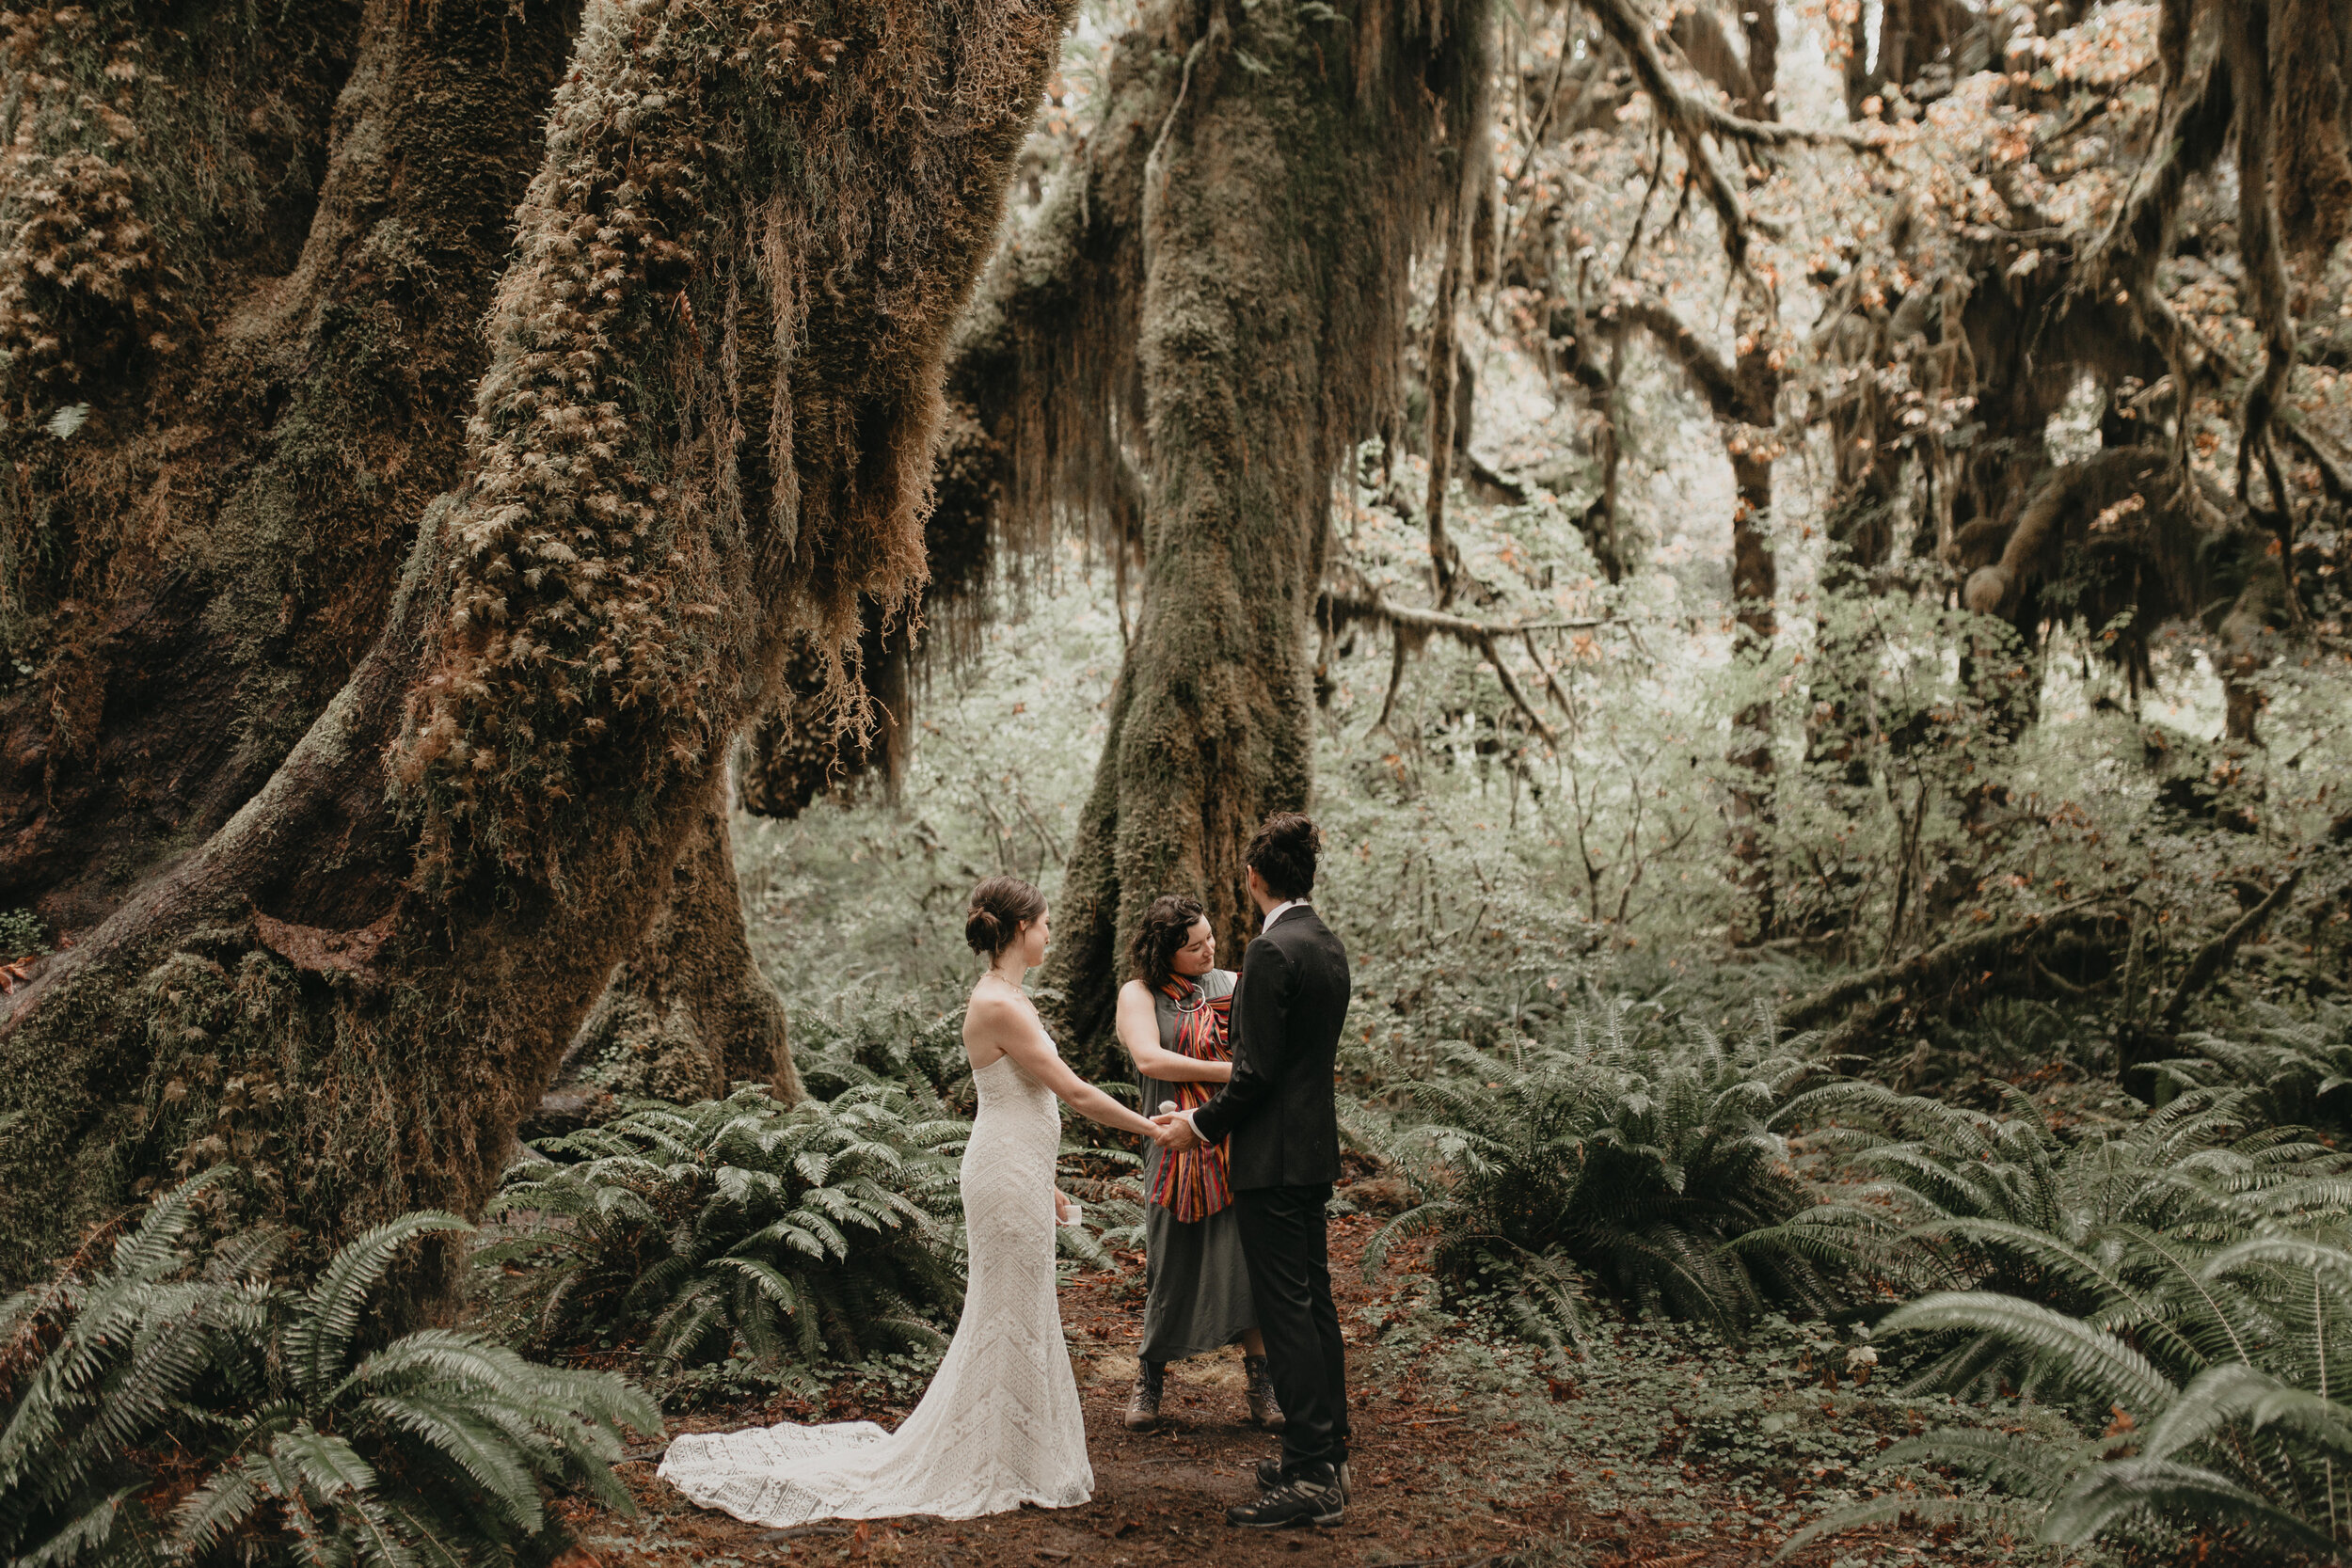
column 1000, row 1425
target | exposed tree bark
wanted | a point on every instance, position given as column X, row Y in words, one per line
column 1759, row 353
column 1444, row 561
column 1761, row 28
column 1290, row 165
column 1755, row 588
column 688, row 1013
column 706, row 426
column 1914, row 36
column 288, row 224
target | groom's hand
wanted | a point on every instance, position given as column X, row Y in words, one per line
column 1175, row 1133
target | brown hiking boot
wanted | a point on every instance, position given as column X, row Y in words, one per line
column 1263, row 1409
column 1143, row 1401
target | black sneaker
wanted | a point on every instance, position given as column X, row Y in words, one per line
column 1270, row 1477
column 1311, row 1499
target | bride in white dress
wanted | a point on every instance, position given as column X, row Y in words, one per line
column 1000, row 1424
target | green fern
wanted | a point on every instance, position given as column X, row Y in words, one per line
column 2181, row 1287
column 695, row 1232
column 2294, row 1067
column 2112, row 1229
column 160, row 1412
column 1627, row 1161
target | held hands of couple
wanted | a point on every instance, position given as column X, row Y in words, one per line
column 1174, row 1133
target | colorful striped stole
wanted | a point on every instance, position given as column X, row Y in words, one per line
column 1196, row 1184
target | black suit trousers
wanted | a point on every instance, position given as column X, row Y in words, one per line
column 1286, row 1246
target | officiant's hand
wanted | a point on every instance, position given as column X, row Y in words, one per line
column 1175, row 1133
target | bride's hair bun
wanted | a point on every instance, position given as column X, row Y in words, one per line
column 999, row 907
column 981, row 930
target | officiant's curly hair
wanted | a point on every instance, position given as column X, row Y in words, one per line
column 1167, row 925
column 1285, row 854
column 998, row 909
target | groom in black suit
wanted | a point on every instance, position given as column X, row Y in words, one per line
column 1287, row 1014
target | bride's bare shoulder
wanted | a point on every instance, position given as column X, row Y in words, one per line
column 993, row 1006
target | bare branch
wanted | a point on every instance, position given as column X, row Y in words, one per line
column 1713, row 377
column 1346, row 609
column 1635, row 33
column 2206, row 967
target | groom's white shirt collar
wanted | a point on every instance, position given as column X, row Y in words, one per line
column 1271, row 916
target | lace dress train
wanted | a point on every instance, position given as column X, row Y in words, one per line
column 1000, row 1424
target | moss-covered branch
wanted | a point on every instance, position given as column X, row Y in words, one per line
column 709, row 424
column 1275, row 230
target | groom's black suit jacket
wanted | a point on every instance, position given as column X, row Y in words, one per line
column 1287, row 1014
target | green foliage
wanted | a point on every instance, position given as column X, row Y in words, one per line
column 2206, row 1370
column 1955, row 1200
column 864, row 1038
column 161, row 1411
column 736, row 1226
column 2176, row 1282
column 1627, row 1159
column 2293, row 1064
column 21, row 935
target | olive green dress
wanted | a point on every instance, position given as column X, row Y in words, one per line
column 1198, row 1295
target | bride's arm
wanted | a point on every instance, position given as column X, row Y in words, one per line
column 1027, row 1044
column 1140, row 1032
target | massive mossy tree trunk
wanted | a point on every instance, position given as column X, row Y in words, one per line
column 249, row 254
column 706, row 428
column 688, row 1013
column 268, row 320
column 1241, row 229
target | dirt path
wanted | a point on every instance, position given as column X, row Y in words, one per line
column 1159, row 1496
column 1446, row 1477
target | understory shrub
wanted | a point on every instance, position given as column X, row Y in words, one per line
column 1627, row 1160
column 160, row 1409
column 2202, row 1374
column 690, row 1233
column 1952, row 1200
column 2177, row 1285
column 859, row 1038
column 2293, row 1063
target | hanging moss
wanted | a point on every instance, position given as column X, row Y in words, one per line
column 263, row 351
column 1248, row 212
column 788, row 209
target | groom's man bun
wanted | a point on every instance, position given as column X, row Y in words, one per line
column 1283, row 854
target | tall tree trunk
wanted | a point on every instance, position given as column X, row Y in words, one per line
column 688, row 1013
column 1443, row 364
column 1296, row 166
column 1755, row 586
column 707, row 425
column 1757, row 378
column 310, row 206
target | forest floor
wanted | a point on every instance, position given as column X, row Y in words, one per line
column 1666, row 1450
